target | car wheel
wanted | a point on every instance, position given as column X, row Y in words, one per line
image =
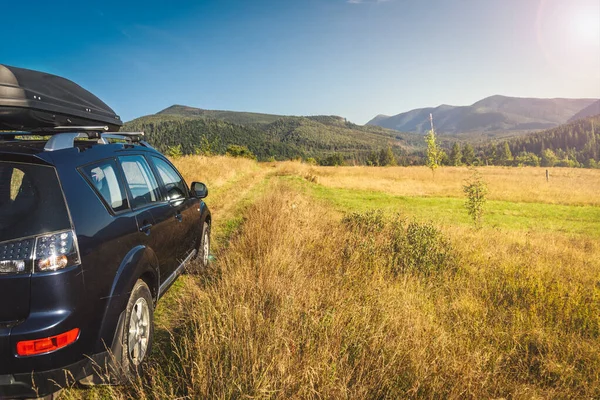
column 204, row 250
column 137, row 331
column 201, row 261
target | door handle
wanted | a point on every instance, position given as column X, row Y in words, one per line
column 178, row 217
column 146, row 229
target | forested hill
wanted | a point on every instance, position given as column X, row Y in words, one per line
column 236, row 117
column 201, row 131
column 576, row 144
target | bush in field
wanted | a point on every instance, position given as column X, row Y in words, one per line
column 332, row 160
column 235, row 150
column 527, row 158
column 422, row 248
column 403, row 247
column 367, row 222
column 174, row 151
column 475, row 189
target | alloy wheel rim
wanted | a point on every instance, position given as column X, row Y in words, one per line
column 206, row 249
column 139, row 331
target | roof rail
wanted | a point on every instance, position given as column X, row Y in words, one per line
column 63, row 137
column 55, row 130
column 80, row 128
column 66, row 140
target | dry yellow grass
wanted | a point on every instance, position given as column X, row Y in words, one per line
column 214, row 171
column 566, row 185
column 302, row 305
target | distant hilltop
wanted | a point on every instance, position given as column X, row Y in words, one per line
column 492, row 114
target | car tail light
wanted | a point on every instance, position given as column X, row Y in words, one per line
column 16, row 255
column 55, row 251
column 47, row 345
column 39, row 254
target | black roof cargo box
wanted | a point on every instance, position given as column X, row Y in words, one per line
column 32, row 100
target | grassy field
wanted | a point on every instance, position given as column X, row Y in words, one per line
column 361, row 282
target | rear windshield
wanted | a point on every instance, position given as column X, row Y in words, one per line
column 31, row 201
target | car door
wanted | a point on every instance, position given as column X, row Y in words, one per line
column 186, row 207
column 157, row 220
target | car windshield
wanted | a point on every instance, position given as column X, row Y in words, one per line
column 31, row 201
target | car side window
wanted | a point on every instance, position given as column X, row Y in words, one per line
column 140, row 180
column 103, row 177
column 175, row 186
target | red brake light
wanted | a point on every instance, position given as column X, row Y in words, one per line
column 46, row 345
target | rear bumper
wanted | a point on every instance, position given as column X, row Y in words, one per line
column 38, row 384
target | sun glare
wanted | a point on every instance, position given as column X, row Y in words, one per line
column 585, row 27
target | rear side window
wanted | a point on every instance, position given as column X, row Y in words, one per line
column 31, row 201
column 140, row 180
column 174, row 184
column 103, row 176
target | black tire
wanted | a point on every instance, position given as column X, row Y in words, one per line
column 201, row 260
column 137, row 333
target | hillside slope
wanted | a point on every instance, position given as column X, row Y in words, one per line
column 590, row 111
column 268, row 135
column 236, row 117
column 499, row 114
column 576, row 144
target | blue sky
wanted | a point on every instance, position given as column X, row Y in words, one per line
column 354, row 58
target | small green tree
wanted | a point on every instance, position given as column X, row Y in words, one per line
column 386, row 157
column 527, row 158
column 332, row 160
column 475, row 188
column 433, row 150
column 506, row 155
column 468, row 154
column 456, row 155
column 549, row 159
column 444, row 159
column 373, row 159
column 234, row 150
column 174, row 151
column 205, row 148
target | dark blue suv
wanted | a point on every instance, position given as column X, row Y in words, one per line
column 94, row 228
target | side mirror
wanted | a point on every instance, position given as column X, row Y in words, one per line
column 199, row 190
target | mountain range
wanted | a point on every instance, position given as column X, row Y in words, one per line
column 284, row 137
column 492, row 117
column 268, row 135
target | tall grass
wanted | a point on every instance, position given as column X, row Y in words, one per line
column 215, row 171
column 303, row 305
column 569, row 186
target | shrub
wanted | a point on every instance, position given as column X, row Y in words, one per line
column 421, row 248
column 475, row 189
column 403, row 247
column 175, row 151
column 332, row 160
column 366, row 222
column 234, row 150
